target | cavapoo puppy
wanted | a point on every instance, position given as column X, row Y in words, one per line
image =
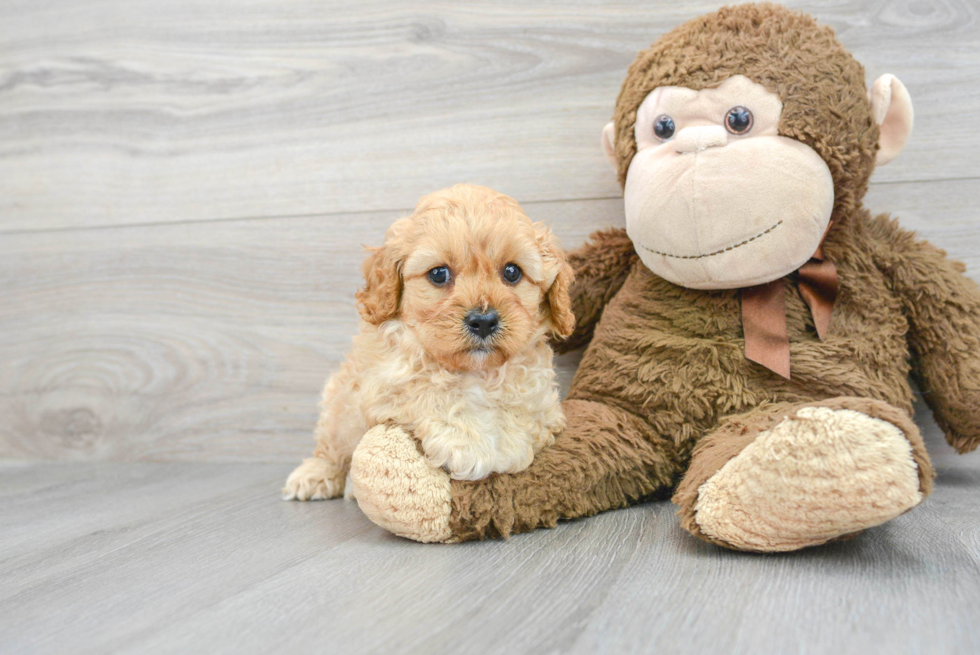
column 453, row 347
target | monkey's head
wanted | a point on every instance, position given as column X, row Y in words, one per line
column 740, row 137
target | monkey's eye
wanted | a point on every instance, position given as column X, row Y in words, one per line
column 439, row 276
column 512, row 273
column 663, row 127
column 738, row 120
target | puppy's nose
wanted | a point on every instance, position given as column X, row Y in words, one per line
column 482, row 324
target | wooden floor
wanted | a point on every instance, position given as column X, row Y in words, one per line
column 185, row 188
column 203, row 557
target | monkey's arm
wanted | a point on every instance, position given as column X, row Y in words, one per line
column 943, row 309
column 601, row 267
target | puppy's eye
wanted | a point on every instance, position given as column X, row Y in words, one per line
column 663, row 127
column 439, row 276
column 512, row 273
column 738, row 120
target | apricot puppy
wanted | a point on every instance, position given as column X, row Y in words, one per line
column 456, row 312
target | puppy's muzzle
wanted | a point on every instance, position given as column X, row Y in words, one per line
column 482, row 324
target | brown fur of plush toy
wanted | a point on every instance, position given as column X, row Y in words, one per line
column 665, row 366
column 665, row 400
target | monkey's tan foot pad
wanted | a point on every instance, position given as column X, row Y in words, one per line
column 314, row 479
column 815, row 476
column 398, row 489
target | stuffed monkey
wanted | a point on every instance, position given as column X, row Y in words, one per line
column 751, row 332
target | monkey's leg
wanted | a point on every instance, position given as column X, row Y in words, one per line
column 785, row 477
column 605, row 458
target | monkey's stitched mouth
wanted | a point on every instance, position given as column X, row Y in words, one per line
column 717, row 252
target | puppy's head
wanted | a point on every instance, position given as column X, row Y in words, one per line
column 471, row 276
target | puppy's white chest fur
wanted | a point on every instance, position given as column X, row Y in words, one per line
column 471, row 423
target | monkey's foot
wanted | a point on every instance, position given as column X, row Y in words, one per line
column 398, row 489
column 817, row 475
column 314, row 479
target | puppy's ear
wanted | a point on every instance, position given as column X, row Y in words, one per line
column 378, row 300
column 559, row 272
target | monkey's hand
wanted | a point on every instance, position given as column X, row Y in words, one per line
column 601, row 267
column 942, row 306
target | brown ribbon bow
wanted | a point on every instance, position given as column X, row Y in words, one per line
column 764, row 312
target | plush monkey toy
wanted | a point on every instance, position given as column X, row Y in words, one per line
column 752, row 330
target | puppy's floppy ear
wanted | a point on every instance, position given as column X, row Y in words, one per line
column 378, row 300
column 559, row 274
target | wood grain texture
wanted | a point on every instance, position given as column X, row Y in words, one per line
column 189, row 341
column 145, row 112
column 211, row 341
column 181, row 557
column 184, row 191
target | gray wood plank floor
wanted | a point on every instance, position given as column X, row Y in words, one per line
column 184, row 557
column 211, row 341
column 185, row 188
column 147, row 111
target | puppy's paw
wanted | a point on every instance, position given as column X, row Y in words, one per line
column 397, row 489
column 469, row 457
column 314, row 479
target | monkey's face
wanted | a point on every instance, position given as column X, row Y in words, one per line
column 739, row 136
column 715, row 197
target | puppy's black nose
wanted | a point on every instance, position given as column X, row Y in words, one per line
column 482, row 324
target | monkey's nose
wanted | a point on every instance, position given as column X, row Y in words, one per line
column 700, row 137
column 482, row 324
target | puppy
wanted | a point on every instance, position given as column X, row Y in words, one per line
column 457, row 309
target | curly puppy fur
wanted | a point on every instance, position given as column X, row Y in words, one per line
column 477, row 406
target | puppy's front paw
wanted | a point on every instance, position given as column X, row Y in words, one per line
column 464, row 462
column 466, row 458
column 314, row 479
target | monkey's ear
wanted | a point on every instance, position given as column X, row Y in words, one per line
column 609, row 143
column 557, row 302
column 891, row 108
column 378, row 300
